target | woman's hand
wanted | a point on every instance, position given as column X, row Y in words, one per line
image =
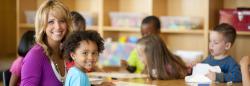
column 245, row 61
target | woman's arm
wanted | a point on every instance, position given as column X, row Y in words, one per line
column 32, row 68
column 244, row 63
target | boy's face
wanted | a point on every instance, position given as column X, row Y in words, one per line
column 85, row 55
column 217, row 44
column 147, row 29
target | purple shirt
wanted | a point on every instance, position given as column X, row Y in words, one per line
column 37, row 70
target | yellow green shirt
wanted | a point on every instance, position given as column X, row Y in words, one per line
column 133, row 60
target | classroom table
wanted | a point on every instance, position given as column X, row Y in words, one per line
column 125, row 79
column 180, row 82
column 147, row 81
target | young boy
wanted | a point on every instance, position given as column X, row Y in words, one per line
column 221, row 40
column 150, row 25
column 244, row 66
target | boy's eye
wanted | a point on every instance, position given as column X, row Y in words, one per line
column 215, row 42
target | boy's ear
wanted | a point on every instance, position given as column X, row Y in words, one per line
column 228, row 46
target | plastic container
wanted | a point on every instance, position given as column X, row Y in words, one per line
column 126, row 19
column 181, row 22
column 30, row 16
column 89, row 18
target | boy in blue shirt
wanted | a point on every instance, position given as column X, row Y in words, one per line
column 221, row 40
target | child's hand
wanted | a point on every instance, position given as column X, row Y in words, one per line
column 245, row 61
column 190, row 68
column 124, row 64
column 211, row 76
column 191, row 65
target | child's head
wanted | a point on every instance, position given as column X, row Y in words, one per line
column 52, row 23
column 160, row 62
column 26, row 43
column 84, row 48
column 78, row 21
column 221, row 39
column 150, row 25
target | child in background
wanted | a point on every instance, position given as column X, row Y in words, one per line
column 78, row 24
column 25, row 45
column 78, row 21
column 221, row 40
column 84, row 48
column 150, row 25
column 244, row 65
column 160, row 63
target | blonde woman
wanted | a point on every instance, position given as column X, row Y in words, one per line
column 44, row 65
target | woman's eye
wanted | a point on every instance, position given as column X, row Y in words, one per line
column 61, row 21
column 51, row 22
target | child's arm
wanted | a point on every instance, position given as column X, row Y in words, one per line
column 233, row 74
column 15, row 71
column 13, row 80
column 129, row 68
column 130, row 64
column 244, row 63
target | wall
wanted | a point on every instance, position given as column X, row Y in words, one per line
column 7, row 27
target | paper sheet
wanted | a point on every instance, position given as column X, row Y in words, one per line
column 199, row 72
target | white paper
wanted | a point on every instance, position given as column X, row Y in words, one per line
column 199, row 72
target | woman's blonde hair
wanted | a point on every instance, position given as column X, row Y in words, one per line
column 57, row 9
column 161, row 63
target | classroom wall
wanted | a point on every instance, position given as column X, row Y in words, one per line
column 7, row 27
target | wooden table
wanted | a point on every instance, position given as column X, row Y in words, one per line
column 175, row 83
column 123, row 78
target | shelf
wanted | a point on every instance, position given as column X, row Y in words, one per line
column 32, row 26
column 200, row 31
column 92, row 28
column 27, row 26
column 245, row 33
column 128, row 29
column 121, row 29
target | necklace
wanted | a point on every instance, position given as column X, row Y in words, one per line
column 57, row 71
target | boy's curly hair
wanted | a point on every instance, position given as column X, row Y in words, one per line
column 74, row 39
